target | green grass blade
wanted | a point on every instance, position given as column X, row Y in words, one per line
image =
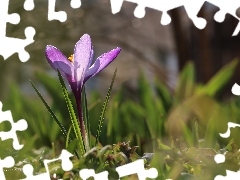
column 164, row 95
column 104, row 108
column 68, row 136
column 52, row 86
column 74, row 120
column 147, row 101
column 185, row 85
column 62, row 128
column 218, row 81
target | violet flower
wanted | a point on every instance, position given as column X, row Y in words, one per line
column 77, row 69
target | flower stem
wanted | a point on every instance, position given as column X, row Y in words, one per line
column 81, row 121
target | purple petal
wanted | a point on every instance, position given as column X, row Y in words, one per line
column 91, row 58
column 101, row 62
column 59, row 61
column 82, row 57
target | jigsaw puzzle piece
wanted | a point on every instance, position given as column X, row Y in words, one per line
column 219, row 158
column 5, row 17
column 164, row 7
column 75, row 4
column 15, row 45
column 116, row 6
column 7, row 162
column 227, row 28
column 28, row 171
column 237, row 29
column 230, row 175
column 236, row 89
column 225, row 8
column 137, row 167
column 66, row 164
column 192, row 8
column 53, row 15
column 139, row 12
column 209, row 42
column 13, row 18
column 227, row 133
column 20, row 125
column 28, row 5
column 9, row 46
column 87, row 173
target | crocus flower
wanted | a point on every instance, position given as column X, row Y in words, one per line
column 77, row 69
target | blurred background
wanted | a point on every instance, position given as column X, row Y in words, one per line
column 150, row 49
column 146, row 44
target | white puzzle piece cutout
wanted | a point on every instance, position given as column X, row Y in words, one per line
column 192, row 8
column 66, row 164
column 7, row 162
column 20, row 125
column 10, row 45
column 87, row 173
column 137, row 167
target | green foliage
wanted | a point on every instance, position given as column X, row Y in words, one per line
column 154, row 111
column 39, row 120
column 51, row 112
column 104, row 108
column 181, row 126
column 216, row 83
column 186, row 83
column 179, row 161
column 74, row 120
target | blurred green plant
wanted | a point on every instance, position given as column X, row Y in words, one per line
column 153, row 111
column 181, row 128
